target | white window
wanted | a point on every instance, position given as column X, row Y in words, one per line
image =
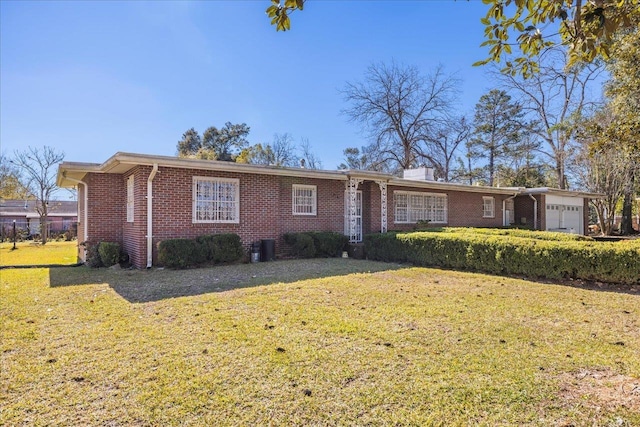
column 216, row 200
column 488, row 207
column 304, row 199
column 130, row 199
column 411, row 207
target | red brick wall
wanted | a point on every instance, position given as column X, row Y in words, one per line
column 81, row 224
column 463, row 209
column 134, row 233
column 265, row 209
column 106, row 207
column 523, row 208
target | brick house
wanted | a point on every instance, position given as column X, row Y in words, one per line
column 139, row 200
column 62, row 216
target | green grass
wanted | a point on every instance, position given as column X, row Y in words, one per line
column 31, row 253
column 372, row 344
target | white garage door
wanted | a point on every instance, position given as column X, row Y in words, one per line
column 564, row 218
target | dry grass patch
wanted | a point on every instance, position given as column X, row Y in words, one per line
column 412, row 346
column 601, row 390
column 33, row 253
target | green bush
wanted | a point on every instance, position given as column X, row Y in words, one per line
column 385, row 247
column 221, row 248
column 504, row 254
column 302, row 245
column 516, row 232
column 92, row 255
column 328, row 244
column 180, row 253
column 109, row 253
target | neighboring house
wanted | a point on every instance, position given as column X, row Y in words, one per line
column 139, row 200
column 62, row 216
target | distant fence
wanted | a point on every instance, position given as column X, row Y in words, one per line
column 27, row 229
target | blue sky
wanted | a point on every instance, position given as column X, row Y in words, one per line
column 96, row 77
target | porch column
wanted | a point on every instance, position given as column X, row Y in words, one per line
column 352, row 188
column 383, row 205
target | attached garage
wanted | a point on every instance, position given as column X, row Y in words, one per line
column 553, row 209
column 564, row 213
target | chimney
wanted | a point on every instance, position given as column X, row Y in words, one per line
column 419, row 174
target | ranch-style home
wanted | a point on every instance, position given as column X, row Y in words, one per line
column 139, row 200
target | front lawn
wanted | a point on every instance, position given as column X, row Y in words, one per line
column 32, row 253
column 290, row 343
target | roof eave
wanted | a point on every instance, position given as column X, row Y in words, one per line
column 437, row 185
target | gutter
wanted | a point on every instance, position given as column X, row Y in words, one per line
column 84, row 213
column 150, row 215
column 535, row 212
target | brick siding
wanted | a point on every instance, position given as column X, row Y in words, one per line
column 265, row 208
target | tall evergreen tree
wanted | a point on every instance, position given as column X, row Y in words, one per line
column 498, row 128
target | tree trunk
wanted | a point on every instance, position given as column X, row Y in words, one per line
column 626, row 225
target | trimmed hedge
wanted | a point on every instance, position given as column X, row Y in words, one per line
column 302, row 245
column 221, row 247
column 214, row 248
column 517, row 232
column 328, row 244
column 497, row 254
column 109, row 253
column 316, row 244
column 103, row 254
column 180, row 253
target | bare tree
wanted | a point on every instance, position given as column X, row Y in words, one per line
column 38, row 167
column 279, row 152
column 362, row 159
column 444, row 144
column 284, row 150
column 400, row 109
column 311, row 160
column 555, row 98
column 602, row 167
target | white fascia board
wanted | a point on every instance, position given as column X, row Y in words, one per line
column 559, row 192
column 448, row 186
column 122, row 162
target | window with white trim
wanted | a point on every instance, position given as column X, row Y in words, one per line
column 130, row 199
column 488, row 207
column 304, row 199
column 216, row 200
column 411, row 207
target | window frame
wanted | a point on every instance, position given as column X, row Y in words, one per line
column 488, row 213
column 130, row 198
column 314, row 200
column 432, row 205
column 235, row 201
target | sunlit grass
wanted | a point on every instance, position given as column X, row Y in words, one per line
column 32, row 253
column 413, row 346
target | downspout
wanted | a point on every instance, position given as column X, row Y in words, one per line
column 535, row 212
column 150, row 215
column 86, row 201
column 504, row 209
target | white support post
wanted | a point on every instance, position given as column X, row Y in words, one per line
column 352, row 188
column 383, row 206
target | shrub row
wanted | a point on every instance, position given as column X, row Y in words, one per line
column 517, row 232
column 316, row 244
column 103, row 254
column 214, row 249
column 606, row 262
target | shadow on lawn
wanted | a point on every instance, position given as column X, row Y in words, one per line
column 140, row 286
